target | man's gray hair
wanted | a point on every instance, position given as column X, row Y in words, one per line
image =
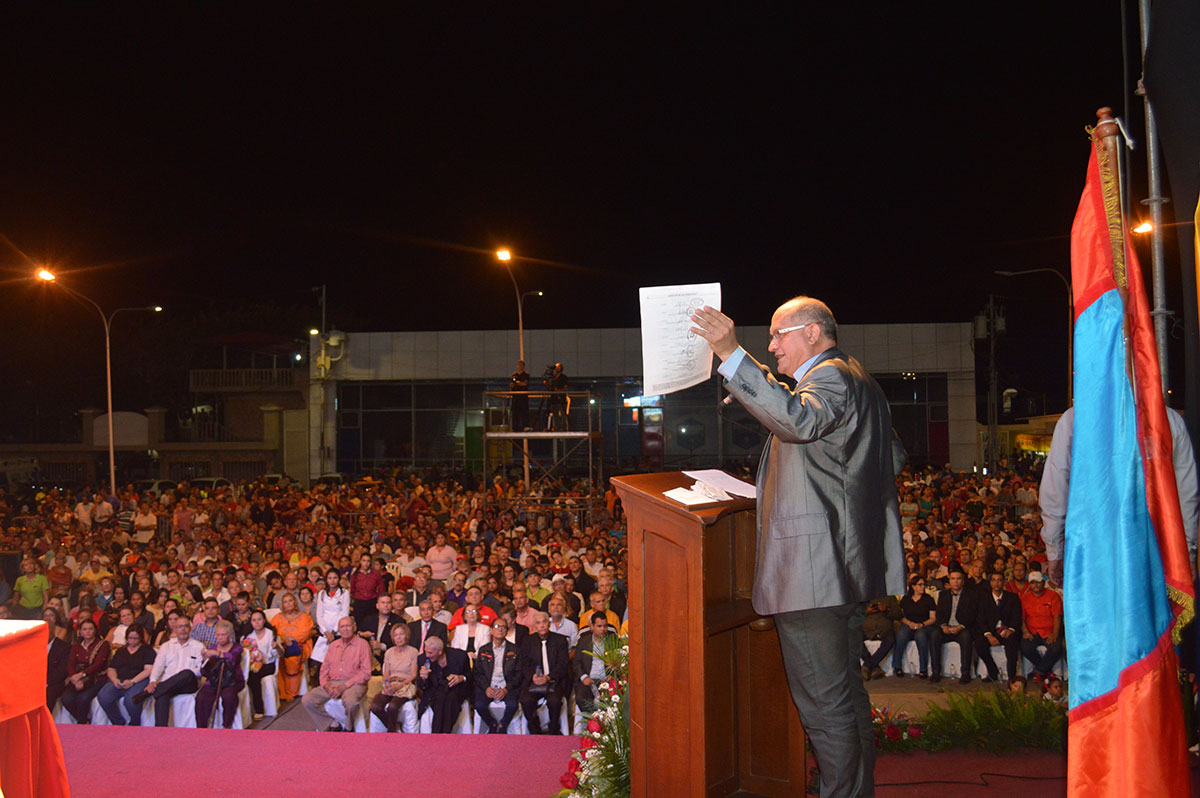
column 806, row 310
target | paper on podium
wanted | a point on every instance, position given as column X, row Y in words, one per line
column 674, row 357
column 719, row 480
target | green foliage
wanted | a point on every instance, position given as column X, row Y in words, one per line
column 994, row 721
column 600, row 768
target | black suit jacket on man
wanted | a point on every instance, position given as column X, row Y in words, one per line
column 558, row 655
column 485, row 663
column 1007, row 611
column 968, row 608
column 436, row 629
column 457, row 663
column 371, row 624
column 581, row 664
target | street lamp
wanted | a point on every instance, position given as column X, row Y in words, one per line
column 1070, row 324
column 49, row 277
column 505, row 257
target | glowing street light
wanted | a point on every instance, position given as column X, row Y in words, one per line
column 49, row 277
column 314, row 331
column 503, row 254
column 1144, row 227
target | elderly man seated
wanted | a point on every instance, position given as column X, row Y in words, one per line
column 176, row 671
column 345, row 672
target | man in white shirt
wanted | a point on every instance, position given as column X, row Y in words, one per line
column 557, row 606
column 176, row 671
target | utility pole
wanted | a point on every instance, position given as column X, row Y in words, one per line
column 988, row 325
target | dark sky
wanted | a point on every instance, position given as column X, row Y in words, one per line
column 886, row 158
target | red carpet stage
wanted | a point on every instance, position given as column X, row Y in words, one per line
column 111, row 761
column 1045, row 774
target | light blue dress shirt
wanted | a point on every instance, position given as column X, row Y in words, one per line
column 730, row 366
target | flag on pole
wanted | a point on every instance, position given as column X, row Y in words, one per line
column 1127, row 583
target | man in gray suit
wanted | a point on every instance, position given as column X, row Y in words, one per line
column 829, row 535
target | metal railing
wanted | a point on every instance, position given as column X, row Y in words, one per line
column 241, row 379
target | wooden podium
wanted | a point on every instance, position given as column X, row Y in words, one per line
column 710, row 710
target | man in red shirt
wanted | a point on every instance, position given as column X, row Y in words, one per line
column 1042, row 614
column 1019, row 584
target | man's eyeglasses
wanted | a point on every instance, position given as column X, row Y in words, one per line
column 778, row 334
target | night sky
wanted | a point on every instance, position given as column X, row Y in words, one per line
column 222, row 161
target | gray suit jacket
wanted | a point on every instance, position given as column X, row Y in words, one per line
column 828, row 517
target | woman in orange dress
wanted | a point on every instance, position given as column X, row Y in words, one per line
column 293, row 630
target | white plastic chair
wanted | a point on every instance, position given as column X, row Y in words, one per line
column 462, row 725
column 409, row 724
column 270, row 690
column 516, row 726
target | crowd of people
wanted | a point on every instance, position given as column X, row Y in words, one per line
column 977, row 575
column 447, row 591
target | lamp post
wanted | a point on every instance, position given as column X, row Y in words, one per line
column 48, row 276
column 505, row 257
column 1070, row 323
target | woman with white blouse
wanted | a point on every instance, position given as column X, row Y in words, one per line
column 332, row 604
column 472, row 634
column 262, row 653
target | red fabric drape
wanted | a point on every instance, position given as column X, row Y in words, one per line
column 31, row 760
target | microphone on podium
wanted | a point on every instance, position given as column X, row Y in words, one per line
column 726, row 402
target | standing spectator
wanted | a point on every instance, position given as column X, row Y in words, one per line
column 332, row 604
column 1042, row 618
column 519, row 381
column 441, row 558
column 918, row 615
column 32, row 590
column 366, row 585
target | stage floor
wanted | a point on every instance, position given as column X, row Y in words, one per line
column 119, row 761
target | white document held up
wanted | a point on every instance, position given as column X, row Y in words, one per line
column 673, row 357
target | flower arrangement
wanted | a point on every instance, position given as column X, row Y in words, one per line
column 895, row 731
column 600, row 768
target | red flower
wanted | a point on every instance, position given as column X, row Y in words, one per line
column 586, row 743
column 569, row 781
column 573, row 766
column 914, row 732
column 594, row 726
column 892, row 731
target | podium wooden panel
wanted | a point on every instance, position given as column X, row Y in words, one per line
column 710, row 710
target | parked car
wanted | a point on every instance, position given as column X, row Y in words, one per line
column 329, row 479
column 154, row 487
column 276, row 480
column 210, row 485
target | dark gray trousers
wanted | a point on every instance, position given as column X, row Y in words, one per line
column 821, row 655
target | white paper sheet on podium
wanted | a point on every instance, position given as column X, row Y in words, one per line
column 673, row 357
